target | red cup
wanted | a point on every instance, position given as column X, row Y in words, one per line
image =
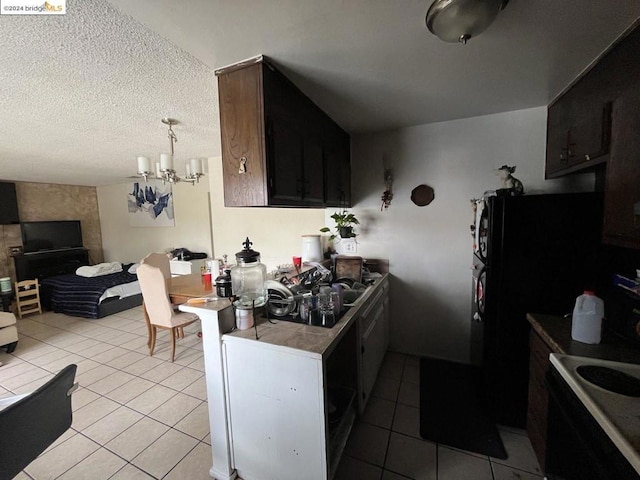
column 207, row 277
column 297, row 262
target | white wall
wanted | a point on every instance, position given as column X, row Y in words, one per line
column 275, row 232
column 430, row 248
column 124, row 243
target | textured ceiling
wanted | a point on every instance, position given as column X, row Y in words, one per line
column 82, row 94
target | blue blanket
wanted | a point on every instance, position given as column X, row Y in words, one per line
column 78, row 296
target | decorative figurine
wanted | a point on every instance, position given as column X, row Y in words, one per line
column 510, row 182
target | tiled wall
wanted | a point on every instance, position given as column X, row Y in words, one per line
column 46, row 201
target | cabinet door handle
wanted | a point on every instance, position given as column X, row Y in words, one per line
column 564, row 157
column 242, row 168
column 362, row 349
column 569, row 145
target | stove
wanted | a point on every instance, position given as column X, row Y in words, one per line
column 610, row 379
column 609, row 392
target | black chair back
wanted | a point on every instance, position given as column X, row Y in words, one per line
column 30, row 425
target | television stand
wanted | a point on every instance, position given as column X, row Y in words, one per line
column 50, row 263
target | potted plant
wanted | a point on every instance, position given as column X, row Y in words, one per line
column 344, row 225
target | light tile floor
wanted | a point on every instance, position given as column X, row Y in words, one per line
column 386, row 445
column 141, row 417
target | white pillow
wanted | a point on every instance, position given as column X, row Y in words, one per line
column 99, row 269
column 133, row 268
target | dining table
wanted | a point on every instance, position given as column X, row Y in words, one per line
column 184, row 287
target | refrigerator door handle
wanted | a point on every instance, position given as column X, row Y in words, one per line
column 477, row 316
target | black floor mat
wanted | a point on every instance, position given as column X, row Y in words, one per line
column 452, row 408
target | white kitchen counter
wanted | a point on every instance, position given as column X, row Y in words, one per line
column 317, row 341
column 618, row 415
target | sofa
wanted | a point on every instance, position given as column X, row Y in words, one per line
column 8, row 331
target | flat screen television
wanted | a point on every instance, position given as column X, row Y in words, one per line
column 43, row 236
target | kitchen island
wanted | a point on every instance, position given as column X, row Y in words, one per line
column 283, row 396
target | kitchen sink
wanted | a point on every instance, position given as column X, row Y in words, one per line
column 610, row 379
column 349, row 297
column 295, row 318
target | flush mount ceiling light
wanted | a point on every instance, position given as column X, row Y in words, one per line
column 164, row 169
column 460, row 20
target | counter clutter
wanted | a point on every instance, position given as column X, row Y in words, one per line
column 312, row 339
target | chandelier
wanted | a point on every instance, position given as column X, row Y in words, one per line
column 164, row 169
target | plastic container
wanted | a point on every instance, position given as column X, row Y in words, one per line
column 586, row 322
column 311, row 248
column 5, row 284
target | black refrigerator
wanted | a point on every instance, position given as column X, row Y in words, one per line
column 532, row 253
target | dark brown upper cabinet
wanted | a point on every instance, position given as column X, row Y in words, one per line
column 278, row 147
column 597, row 121
column 579, row 141
column 622, row 187
column 578, row 129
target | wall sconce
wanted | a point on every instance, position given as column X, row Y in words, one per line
column 387, row 195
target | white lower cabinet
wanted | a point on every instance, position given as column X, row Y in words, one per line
column 289, row 410
column 373, row 350
column 276, row 411
column 374, row 341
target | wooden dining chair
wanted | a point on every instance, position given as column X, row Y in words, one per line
column 161, row 261
column 159, row 309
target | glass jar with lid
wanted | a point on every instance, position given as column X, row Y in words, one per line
column 248, row 277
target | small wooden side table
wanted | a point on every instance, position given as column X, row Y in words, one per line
column 6, row 298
